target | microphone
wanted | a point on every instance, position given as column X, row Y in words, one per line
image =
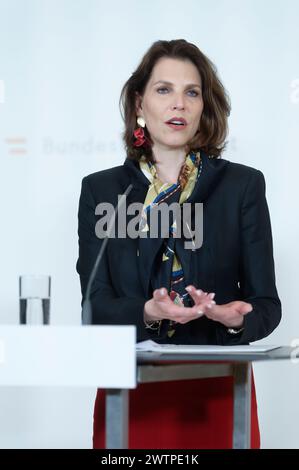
column 86, row 307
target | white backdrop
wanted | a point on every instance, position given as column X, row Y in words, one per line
column 62, row 66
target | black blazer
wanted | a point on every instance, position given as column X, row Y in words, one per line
column 235, row 260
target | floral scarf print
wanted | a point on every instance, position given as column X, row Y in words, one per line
column 168, row 270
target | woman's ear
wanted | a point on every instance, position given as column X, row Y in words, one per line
column 138, row 103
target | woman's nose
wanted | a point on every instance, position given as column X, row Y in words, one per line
column 179, row 104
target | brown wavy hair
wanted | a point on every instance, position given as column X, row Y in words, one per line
column 213, row 123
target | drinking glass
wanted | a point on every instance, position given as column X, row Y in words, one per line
column 34, row 296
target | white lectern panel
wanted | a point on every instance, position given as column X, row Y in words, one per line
column 78, row 356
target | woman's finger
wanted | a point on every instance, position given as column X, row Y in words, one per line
column 200, row 297
column 198, row 293
column 198, row 309
column 159, row 294
column 199, row 313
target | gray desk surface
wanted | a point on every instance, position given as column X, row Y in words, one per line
column 281, row 353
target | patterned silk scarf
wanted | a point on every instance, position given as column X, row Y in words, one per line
column 168, row 271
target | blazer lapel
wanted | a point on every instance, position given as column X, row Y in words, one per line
column 212, row 171
column 147, row 248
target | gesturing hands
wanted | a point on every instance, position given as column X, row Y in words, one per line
column 161, row 307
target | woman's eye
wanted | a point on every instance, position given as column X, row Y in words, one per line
column 195, row 93
column 164, row 88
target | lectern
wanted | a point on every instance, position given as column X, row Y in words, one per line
column 105, row 357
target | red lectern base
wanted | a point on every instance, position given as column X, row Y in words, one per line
column 190, row 414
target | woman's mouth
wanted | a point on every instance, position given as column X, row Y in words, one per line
column 177, row 126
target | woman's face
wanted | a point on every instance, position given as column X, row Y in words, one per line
column 174, row 90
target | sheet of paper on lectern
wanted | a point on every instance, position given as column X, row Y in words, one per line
column 152, row 346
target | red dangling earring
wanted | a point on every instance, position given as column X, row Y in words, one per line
column 139, row 134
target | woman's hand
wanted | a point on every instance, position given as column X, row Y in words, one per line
column 161, row 307
column 230, row 315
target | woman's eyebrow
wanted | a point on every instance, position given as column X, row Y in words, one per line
column 165, row 82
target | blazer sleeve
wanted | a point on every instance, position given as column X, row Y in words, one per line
column 257, row 273
column 107, row 307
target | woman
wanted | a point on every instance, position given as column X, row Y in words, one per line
column 221, row 292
